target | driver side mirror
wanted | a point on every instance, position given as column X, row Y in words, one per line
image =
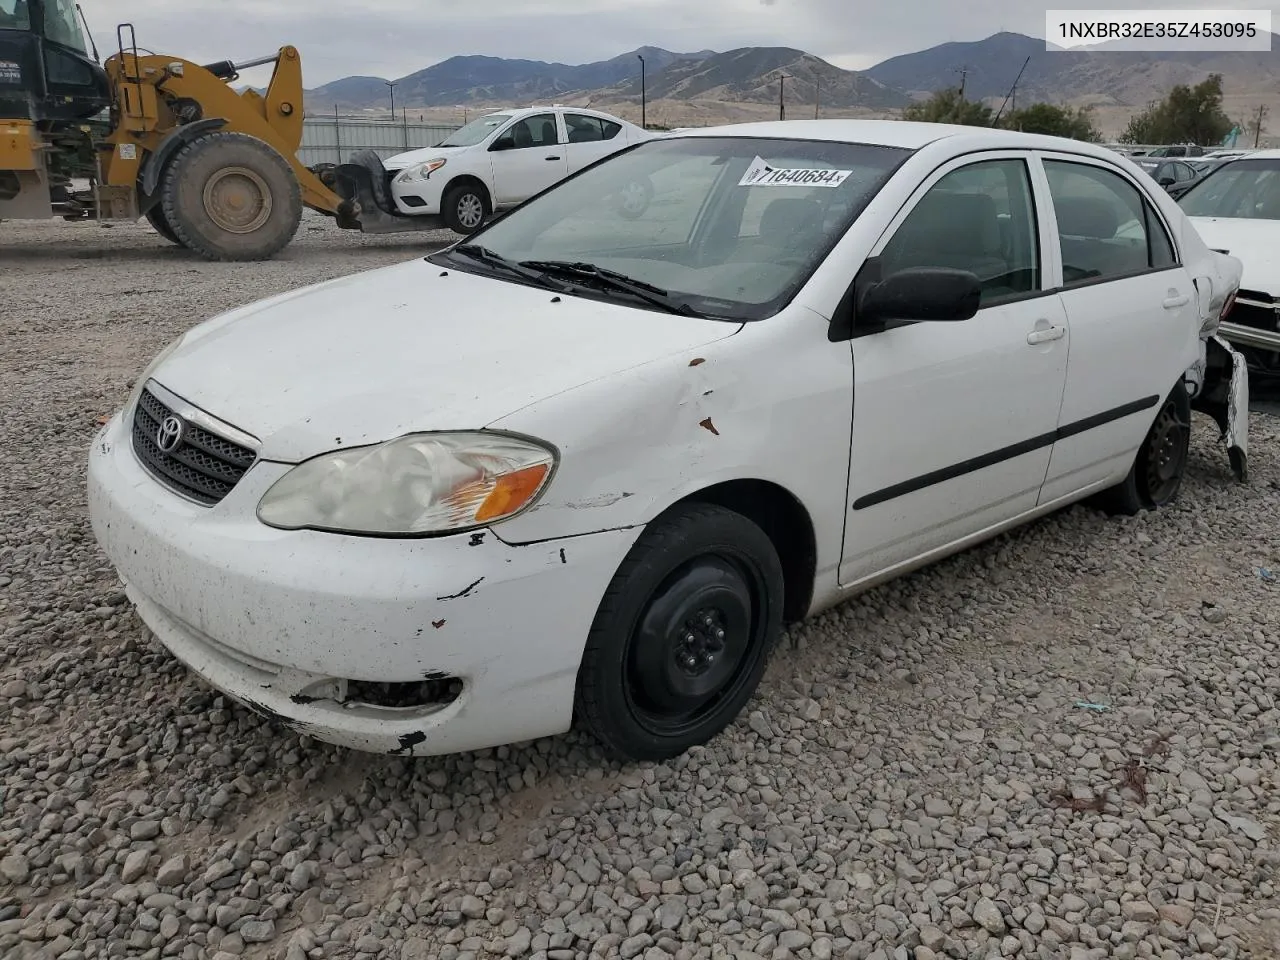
column 1166, row 181
column 916, row 294
column 504, row 142
column 920, row 294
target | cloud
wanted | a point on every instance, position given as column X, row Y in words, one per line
column 391, row 38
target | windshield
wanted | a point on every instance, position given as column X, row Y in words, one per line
column 476, row 131
column 61, row 25
column 14, row 15
column 728, row 226
column 1244, row 189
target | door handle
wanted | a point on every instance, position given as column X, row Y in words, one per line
column 1173, row 303
column 1046, row 334
column 552, row 158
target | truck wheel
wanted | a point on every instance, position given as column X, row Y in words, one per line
column 230, row 196
column 464, row 208
column 155, row 217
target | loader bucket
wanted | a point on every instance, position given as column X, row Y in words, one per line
column 362, row 183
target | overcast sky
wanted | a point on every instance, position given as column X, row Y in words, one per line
column 391, row 38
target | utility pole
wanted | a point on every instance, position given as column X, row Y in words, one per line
column 392, row 85
column 964, row 73
column 1257, row 132
column 782, row 105
column 643, row 95
column 817, row 96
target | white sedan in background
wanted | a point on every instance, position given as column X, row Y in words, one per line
column 502, row 159
column 1237, row 208
column 587, row 464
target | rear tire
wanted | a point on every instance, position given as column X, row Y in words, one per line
column 230, row 196
column 683, row 634
column 155, row 217
column 464, row 207
column 1161, row 464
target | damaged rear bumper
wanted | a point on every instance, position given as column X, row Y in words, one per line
column 1219, row 387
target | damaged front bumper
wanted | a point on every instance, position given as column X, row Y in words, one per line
column 414, row 646
column 1219, row 387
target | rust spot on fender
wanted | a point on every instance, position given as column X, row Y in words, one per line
column 463, row 593
column 563, row 558
column 476, row 540
column 408, row 741
column 438, row 624
column 708, row 425
column 696, row 361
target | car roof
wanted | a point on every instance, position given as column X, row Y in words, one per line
column 900, row 133
column 543, row 108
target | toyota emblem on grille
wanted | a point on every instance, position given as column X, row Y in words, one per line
column 169, row 435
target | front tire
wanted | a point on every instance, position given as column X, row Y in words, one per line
column 464, row 207
column 230, row 196
column 155, row 217
column 683, row 634
column 1161, row 464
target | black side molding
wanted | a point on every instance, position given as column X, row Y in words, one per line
column 1004, row 453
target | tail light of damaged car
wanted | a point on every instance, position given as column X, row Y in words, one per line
column 583, row 467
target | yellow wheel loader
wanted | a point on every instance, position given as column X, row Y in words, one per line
column 143, row 135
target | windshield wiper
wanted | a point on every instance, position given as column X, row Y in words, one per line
column 474, row 251
column 616, row 281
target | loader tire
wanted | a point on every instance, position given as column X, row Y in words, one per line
column 155, row 217
column 230, row 196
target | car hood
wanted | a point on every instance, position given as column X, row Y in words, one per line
column 402, row 160
column 407, row 348
column 1256, row 243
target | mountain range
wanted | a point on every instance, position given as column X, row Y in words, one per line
column 749, row 77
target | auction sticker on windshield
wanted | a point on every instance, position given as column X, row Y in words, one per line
column 761, row 174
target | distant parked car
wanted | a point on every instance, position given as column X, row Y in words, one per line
column 1237, row 208
column 583, row 467
column 1170, row 174
column 1177, row 150
column 499, row 160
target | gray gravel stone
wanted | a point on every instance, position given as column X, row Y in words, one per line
column 893, row 790
column 15, row 868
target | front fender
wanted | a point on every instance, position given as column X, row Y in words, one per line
column 153, row 166
column 773, row 403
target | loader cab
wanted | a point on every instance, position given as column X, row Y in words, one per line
column 47, row 72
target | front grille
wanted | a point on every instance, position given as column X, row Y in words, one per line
column 202, row 466
column 1256, row 296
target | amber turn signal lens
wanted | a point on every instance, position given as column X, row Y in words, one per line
column 511, row 492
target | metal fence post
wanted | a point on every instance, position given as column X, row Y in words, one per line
column 337, row 133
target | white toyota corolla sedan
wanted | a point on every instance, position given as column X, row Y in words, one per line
column 586, row 465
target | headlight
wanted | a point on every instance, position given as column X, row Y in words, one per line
column 424, row 483
column 421, row 171
column 151, row 368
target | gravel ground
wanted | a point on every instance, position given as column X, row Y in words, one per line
column 920, row 775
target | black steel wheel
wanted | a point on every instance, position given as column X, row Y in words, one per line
column 1158, row 470
column 682, row 636
column 1164, row 454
